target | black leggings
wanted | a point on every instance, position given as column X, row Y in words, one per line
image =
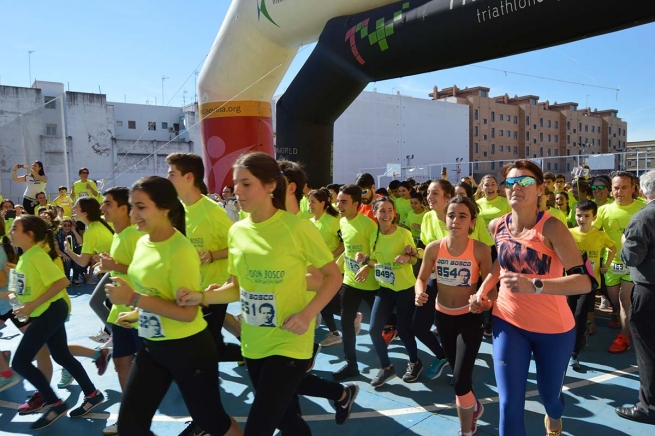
column 579, row 305
column 276, row 381
column 461, row 336
column 424, row 318
column 331, row 309
column 215, row 316
column 29, row 204
column 48, row 329
column 192, row 363
column 351, row 298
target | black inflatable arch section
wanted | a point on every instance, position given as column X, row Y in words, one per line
column 420, row 36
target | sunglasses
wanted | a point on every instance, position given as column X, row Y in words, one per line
column 523, row 181
column 597, row 187
column 364, row 191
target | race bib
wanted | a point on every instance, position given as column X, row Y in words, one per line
column 150, row 325
column 417, row 240
column 351, row 264
column 258, row 309
column 16, row 283
column 618, row 268
column 384, row 274
column 456, row 275
column 82, row 194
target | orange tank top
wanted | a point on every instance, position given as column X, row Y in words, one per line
column 528, row 255
column 460, row 270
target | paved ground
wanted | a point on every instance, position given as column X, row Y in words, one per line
column 422, row 408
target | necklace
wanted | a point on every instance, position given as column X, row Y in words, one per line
column 391, row 228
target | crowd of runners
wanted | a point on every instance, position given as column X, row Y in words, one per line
column 520, row 260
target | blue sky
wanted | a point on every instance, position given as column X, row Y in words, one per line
column 125, row 47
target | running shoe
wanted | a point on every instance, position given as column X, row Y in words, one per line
column 65, row 380
column 111, row 430
column 7, row 355
column 346, row 371
column 7, row 382
column 574, row 362
column 344, row 407
column 591, row 328
column 358, row 322
column 52, row 413
column 108, row 345
column 553, row 433
column 76, row 283
column 102, row 361
column 389, row 334
column 477, row 414
column 619, row 345
column 414, row 370
column 101, row 337
column 489, row 329
column 35, row 403
column 331, row 339
column 193, row 430
column 312, row 361
column 604, row 304
column 437, row 367
column 88, row 405
column 383, row 376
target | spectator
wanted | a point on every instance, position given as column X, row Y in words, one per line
column 64, row 201
column 36, row 182
column 69, row 230
column 84, row 187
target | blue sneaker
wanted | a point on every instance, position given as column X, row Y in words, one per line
column 436, row 368
column 7, row 382
column 66, row 379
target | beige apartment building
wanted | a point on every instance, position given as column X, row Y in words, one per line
column 506, row 128
column 640, row 157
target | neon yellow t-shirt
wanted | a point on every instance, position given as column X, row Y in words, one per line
column 356, row 234
column 403, row 207
column 304, row 208
column 592, row 243
column 490, row 209
column 65, row 203
column 243, row 215
column 432, row 228
column 81, row 191
column 97, row 239
column 122, row 251
column 559, row 215
column 37, row 272
column 328, row 226
column 207, row 225
column 384, row 249
column 613, row 219
column 159, row 269
column 270, row 261
column 60, row 264
column 414, row 221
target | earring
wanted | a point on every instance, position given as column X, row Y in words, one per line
column 271, row 194
column 471, row 229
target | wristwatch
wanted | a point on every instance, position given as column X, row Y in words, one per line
column 367, row 259
column 538, row 286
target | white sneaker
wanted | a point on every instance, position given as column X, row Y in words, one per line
column 109, row 345
column 358, row 323
column 100, row 337
column 112, row 429
column 604, row 304
column 331, row 339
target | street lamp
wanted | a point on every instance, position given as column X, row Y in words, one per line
column 409, row 158
column 459, row 163
column 29, row 63
column 163, row 100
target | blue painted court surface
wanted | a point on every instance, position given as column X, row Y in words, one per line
column 398, row 408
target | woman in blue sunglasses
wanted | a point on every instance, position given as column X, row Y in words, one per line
column 531, row 314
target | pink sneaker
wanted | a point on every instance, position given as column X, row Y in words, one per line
column 476, row 415
column 33, row 404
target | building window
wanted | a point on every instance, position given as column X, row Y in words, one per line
column 593, row 141
column 164, row 126
column 556, row 139
column 568, row 153
column 586, row 127
column 549, row 125
column 500, row 148
column 534, row 126
column 556, row 166
column 580, row 127
column 475, row 114
column 493, row 148
column 549, row 152
column 610, row 132
column 527, row 121
column 501, row 118
column 541, row 152
column 51, row 130
column 557, row 124
column 493, row 166
column 548, row 166
column 501, row 132
column 493, row 132
column 493, row 116
column 131, row 124
column 475, row 166
column 152, row 125
column 484, row 154
column 568, row 125
column 484, row 137
column 609, row 143
column 484, row 121
column 516, row 134
column 579, row 139
column 568, row 139
column 516, row 119
column 484, row 94
column 533, row 101
column 541, row 136
column 475, row 130
column 527, row 136
column 541, row 122
column 516, row 150
column 527, row 150
column 549, row 138
column 556, row 152
column 119, row 124
column 593, row 129
column 50, row 102
column 574, row 131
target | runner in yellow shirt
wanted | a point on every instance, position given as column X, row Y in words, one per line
column 64, row 201
column 415, row 217
column 491, row 205
column 84, row 187
column 403, row 201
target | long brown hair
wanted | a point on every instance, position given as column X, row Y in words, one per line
column 267, row 170
column 12, row 257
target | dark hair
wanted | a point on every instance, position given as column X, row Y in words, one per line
column 394, row 184
column 560, row 176
column 230, row 187
column 604, row 180
column 41, row 170
column 334, row 187
column 41, row 192
column 82, row 169
column 188, row 163
column 584, row 188
column 54, row 222
column 121, row 195
column 550, row 176
column 446, row 187
column 469, row 203
column 467, row 187
column 40, row 230
column 416, row 195
column 568, row 203
column 91, row 208
column 6, row 200
column 12, row 257
column 324, row 196
column 267, row 170
column 411, row 181
column 525, row 165
column 375, row 206
column 354, row 191
column 62, row 187
column 585, row 205
column 624, row 174
column 162, row 192
column 365, row 180
column 407, row 186
column 382, row 191
column 294, row 173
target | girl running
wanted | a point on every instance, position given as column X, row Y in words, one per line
column 177, row 345
column 459, row 261
column 393, row 271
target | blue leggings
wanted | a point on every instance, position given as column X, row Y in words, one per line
column 513, row 348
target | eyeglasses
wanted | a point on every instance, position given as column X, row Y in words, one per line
column 84, row 172
column 364, row 191
column 597, row 187
column 523, row 181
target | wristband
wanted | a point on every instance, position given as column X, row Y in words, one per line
column 136, row 300
column 132, row 299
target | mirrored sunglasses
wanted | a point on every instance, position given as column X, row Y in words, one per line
column 523, row 181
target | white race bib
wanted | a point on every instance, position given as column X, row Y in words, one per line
column 258, row 309
column 384, row 274
column 150, row 325
column 456, row 275
column 83, row 194
column 351, row 264
column 618, row 268
column 16, row 282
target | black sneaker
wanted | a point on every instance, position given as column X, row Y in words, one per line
column 193, row 430
column 88, row 405
column 346, row 371
column 52, row 413
column 344, row 407
column 383, row 376
column 489, row 329
column 312, row 361
column 413, row 371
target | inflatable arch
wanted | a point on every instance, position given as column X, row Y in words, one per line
column 361, row 41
